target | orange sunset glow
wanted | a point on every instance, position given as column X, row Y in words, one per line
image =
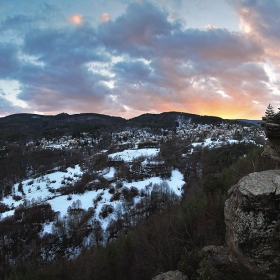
column 76, row 19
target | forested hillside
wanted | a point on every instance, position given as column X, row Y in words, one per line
column 121, row 203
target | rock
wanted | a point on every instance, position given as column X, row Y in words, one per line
column 272, row 132
column 252, row 216
column 271, row 152
column 171, row 275
column 218, row 256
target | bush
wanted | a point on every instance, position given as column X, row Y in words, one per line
column 115, row 196
column 17, row 197
column 3, row 207
column 106, row 210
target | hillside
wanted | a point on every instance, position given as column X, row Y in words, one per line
column 84, row 191
column 170, row 119
column 28, row 126
column 23, row 127
column 121, row 215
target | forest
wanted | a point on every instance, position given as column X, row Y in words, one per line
column 126, row 232
column 158, row 234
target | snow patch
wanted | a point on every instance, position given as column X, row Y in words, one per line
column 129, row 155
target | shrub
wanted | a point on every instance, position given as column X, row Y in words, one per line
column 106, row 210
column 17, row 197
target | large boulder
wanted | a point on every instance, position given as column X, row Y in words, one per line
column 252, row 216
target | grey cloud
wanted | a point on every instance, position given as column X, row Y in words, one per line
column 9, row 63
column 217, row 44
column 56, row 88
column 135, row 31
column 68, row 46
column 7, row 107
column 43, row 14
column 135, row 70
column 17, row 22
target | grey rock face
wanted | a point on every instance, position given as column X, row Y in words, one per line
column 171, row 275
column 272, row 131
column 252, row 216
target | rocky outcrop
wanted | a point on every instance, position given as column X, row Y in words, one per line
column 252, row 216
column 271, row 127
column 171, row 275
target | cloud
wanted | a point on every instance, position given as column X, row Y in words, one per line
column 15, row 22
column 9, row 62
column 76, row 19
column 7, row 107
column 42, row 16
column 261, row 19
column 142, row 62
column 132, row 71
column 187, row 69
column 136, row 31
column 63, row 46
column 104, row 17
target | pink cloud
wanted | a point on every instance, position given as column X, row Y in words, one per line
column 105, row 17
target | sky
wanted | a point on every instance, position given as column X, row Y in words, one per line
column 130, row 57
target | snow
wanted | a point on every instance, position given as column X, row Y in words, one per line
column 46, row 189
column 175, row 182
column 47, row 228
column 215, row 144
column 109, row 174
column 61, row 203
column 38, row 189
column 129, row 155
column 207, row 143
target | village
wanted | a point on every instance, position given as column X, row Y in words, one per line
column 137, row 137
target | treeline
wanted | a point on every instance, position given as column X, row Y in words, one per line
column 19, row 162
column 171, row 238
column 22, row 239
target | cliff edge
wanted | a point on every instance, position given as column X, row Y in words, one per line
column 252, row 216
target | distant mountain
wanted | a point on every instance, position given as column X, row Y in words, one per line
column 29, row 126
column 170, row 119
column 23, row 126
column 254, row 122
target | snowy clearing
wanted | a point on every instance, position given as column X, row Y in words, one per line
column 129, row 155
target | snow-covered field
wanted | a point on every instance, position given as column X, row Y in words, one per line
column 175, row 182
column 215, row 144
column 39, row 189
column 46, row 189
column 129, row 155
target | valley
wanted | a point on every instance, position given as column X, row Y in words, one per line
column 82, row 189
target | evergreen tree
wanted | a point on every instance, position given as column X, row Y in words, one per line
column 269, row 113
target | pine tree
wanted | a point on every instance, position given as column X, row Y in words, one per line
column 269, row 113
